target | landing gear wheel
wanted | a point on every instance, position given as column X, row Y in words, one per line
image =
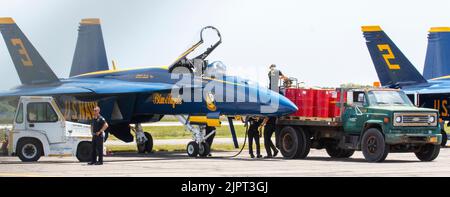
column 84, row 151
column 204, row 149
column 444, row 138
column 335, row 152
column 192, row 149
column 147, row 146
column 29, row 150
column 428, row 152
column 373, row 146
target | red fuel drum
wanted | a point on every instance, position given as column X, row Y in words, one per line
column 334, row 110
column 322, row 104
column 304, row 100
column 291, row 95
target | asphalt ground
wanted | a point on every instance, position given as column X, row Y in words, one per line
column 220, row 164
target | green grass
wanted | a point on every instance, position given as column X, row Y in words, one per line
column 178, row 132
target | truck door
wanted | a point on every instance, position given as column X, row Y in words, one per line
column 41, row 117
column 354, row 115
column 19, row 123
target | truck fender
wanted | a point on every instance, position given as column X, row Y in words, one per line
column 38, row 136
column 371, row 124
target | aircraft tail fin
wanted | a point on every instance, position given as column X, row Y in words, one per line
column 90, row 53
column 30, row 66
column 393, row 68
column 437, row 60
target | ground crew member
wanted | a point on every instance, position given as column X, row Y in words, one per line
column 253, row 134
column 269, row 128
column 98, row 127
column 210, row 139
column 274, row 77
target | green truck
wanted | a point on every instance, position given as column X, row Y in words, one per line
column 374, row 121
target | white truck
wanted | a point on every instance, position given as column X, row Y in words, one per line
column 40, row 129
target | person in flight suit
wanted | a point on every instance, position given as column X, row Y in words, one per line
column 269, row 129
column 253, row 134
column 98, row 127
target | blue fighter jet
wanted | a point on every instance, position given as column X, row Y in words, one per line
column 396, row 71
column 197, row 91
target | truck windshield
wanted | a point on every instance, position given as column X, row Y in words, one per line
column 388, row 98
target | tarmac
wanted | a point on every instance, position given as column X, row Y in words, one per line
column 221, row 164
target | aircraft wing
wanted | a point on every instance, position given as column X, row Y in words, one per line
column 44, row 90
column 103, row 86
column 124, row 87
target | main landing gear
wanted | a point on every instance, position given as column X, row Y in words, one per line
column 144, row 140
column 198, row 146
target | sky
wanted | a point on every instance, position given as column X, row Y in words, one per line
column 319, row 42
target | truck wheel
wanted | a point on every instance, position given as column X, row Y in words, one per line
column 147, row 146
column 84, row 151
column 29, row 150
column 444, row 138
column 335, row 152
column 373, row 146
column 304, row 140
column 204, row 149
column 192, row 149
column 428, row 152
column 289, row 142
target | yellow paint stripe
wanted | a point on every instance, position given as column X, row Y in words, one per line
column 90, row 21
column 7, row 20
column 372, row 28
column 20, row 175
column 121, row 70
column 439, row 29
column 443, row 77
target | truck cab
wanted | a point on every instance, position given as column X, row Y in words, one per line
column 376, row 121
column 40, row 129
column 387, row 116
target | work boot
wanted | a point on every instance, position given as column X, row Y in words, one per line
column 275, row 153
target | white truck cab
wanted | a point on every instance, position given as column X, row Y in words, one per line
column 40, row 129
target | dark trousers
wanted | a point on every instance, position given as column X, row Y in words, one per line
column 97, row 149
column 210, row 139
column 268, row 144
column 253, row 134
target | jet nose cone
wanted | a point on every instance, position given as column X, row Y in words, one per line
column 286, row 106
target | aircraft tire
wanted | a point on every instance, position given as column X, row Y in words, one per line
column 192, row 149
column 428, row 152
column 204, row 149
column 148, row 145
